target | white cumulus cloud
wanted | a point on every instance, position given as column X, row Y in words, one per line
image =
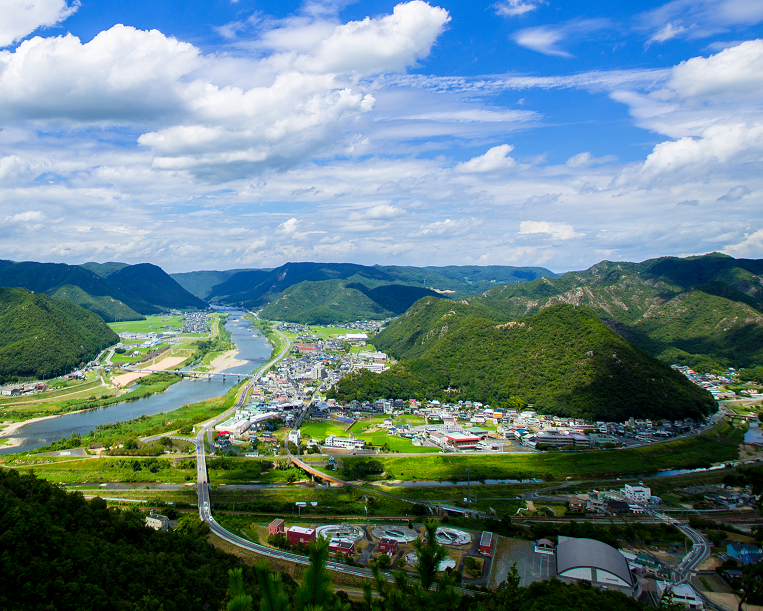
column 559, row 231
column 495, row 160
column 22, row 17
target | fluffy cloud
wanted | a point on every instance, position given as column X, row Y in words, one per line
column 710, row 106
column 305, row 105
column 22, row 17
column 30, row 216
column 495, row 160
column 378, row 45
column 558, row 231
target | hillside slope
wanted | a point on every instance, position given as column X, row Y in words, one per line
column 258, row 287
column 108, row 308
column 337, row 301
column 426, row 323
column 704, row 322
column 149, row 289
column 144, row 288
column 63, row 552
column 563, row 360
column 42, row 337
column 201, row 283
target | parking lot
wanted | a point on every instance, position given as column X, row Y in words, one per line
column 531, row 565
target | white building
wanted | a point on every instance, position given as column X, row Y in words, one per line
column 157, row 522
column 295, row 437
column 332, row 441
column 638, row 494
column 682, row 594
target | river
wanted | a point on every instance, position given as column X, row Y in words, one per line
column 252, row 348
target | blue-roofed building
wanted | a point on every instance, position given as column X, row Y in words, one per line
column 746, row 553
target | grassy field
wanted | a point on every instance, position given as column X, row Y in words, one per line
column 718, row 445
column 152, row 324
column 396, row 444
column 321, row 430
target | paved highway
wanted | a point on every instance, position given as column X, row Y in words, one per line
column 202, row 480
column 699, row 551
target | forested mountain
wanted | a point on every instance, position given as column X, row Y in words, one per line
column 328, row 292
column 42, row 337
column 151, row 289
column 692, row 310
column 104, row 270
column 201, row 283
column 65, row 553
column 564, row 360
column 108, row 308
column 339, row 301
column 113, row 290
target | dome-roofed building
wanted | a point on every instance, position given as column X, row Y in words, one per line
column 594, row 561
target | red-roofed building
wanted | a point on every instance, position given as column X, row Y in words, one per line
column 298, row 534
column 387, row 546
column 486, row 543
column 276, row 527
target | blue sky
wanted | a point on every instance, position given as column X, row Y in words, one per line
column 214, row 135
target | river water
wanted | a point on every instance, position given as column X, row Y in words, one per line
column 252, row 346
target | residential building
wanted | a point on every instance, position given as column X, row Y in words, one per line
column 638, row 494
column 157, row 522
column 276, row 527
column 299, row 534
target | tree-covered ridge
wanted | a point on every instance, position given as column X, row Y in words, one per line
column 340, row 301
column 427, row 322
column 144, row 288
column 564, row 360
column 106, row 307
column 42, row 337
column 724, row 295
column 65, row 553
column 258, row 287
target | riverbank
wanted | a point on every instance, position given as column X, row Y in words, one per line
column 227, row 360
column 126, row 379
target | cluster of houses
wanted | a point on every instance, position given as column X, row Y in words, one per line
column 196, row 322
column 711, row 382
column 16, row 390
column 630, row 499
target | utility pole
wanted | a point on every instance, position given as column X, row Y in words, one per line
column 468, row 487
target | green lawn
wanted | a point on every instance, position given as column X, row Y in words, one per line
column 321, row 430
column 152, row 324
column 396, row 444
column 682, row 454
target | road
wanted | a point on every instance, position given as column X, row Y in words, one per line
column 699, row 552
column 205, row 508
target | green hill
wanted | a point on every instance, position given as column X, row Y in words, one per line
column 106, row 307
column 655, row 305
column 338, row 301
column 104, row 270
column 426, row 323
column 321, row 303
column 563, row 360
column 258, row 287
column 143, row 288
column 42, row 337
column 151, row 289
column 201, row 283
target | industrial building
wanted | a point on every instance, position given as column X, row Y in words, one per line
column 594, row 561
